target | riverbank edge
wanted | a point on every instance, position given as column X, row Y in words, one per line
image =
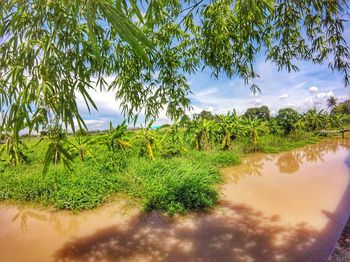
column 137, row 203
column 341, row 251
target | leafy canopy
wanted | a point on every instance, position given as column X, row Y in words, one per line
column 51, row 51
column 262, row 112
column 288, row 118
column 342, row 108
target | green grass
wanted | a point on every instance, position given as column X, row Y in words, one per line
column 171, row 185
column 277, row 144
column 174, row 185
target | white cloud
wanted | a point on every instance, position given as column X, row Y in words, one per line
column 313, row 89
column 309, row 100
column 257, row 102
column 206, row 92
column 342, row 98
column 96, row 124
column 105, row 102
column 210, row 100
column 284, row 96
column 162, row 119
column 324, row 95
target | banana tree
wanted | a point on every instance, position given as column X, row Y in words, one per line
column 146, row 140
column 81, row 147
column 172, row 141
column 336, row 120
column 116, row 138
column 201, row 131
column 253, row 129
column 314, row 120
column 300, row 123
column 227, row 124
column 57, row 150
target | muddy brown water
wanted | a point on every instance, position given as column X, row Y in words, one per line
column 274, row 207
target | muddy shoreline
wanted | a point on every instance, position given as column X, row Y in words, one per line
column 341, row 251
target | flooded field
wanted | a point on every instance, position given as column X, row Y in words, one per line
column 274, row 207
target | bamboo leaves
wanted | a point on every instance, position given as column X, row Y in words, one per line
column 125, row 29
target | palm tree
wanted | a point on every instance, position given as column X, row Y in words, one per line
column 332, row 102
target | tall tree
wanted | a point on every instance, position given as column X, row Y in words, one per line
column 332, row 102
column 342, row 108
column 262, row 112
column 205, row 115
column 287, row 118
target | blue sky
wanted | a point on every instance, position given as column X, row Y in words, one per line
column 310, row 87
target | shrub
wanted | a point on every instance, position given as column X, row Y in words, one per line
column 177, row 186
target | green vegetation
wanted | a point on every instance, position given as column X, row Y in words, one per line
column 174, row 169
column 52, row 52
column 173, row 185
column 262, row 112
column 341, row 108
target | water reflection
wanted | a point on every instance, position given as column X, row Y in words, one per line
column 315, row 153
column 316, row 172
column 23, row 216
column 64, row 223
column 289, row 162
column 250, row 167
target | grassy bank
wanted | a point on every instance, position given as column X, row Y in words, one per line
column 277, row 144
column 178, row 184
